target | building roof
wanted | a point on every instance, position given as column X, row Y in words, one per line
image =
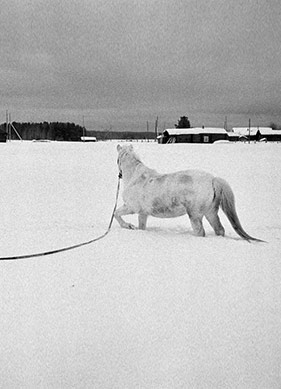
column 233, row 134
column 244, row 131
column 196, row 130
column 88, row 138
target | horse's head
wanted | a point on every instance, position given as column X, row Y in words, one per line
column 122, row 153
column 124, row 149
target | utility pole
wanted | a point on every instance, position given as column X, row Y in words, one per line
column 18, row 135
column 7, row 123
column 156, row 127
column 249, row 131
column 225, row 123
column 83, row 129
column 9, row 126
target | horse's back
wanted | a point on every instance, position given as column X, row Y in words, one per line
column 169, row 195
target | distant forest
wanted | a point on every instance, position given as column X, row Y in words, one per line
column 68, row 132
column 50, row 131
column 129, row 135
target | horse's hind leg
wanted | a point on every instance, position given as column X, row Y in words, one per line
column 197, row 225
column 213, row 218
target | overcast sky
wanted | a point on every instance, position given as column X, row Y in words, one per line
column 122, row 63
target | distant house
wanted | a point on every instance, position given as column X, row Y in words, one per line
column 3, row 136
column 193, row 135
column 234, row 137
column 256, row 134
column 88, row 139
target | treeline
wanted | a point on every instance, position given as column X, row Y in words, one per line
column 68, row 132
column 275, row 126
column 51, row 131
column 128, row 135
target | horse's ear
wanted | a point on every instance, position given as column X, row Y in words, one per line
column 119, row 148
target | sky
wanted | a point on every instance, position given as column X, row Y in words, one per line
column 119, row 64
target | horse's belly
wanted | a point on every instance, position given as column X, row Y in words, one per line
column 168, row 212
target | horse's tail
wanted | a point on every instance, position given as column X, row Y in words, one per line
column 225, row 196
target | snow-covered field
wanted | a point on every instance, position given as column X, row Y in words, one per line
column 159, row 308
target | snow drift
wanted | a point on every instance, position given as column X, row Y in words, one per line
column 159, row 308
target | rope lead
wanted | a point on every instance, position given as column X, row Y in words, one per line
column 42, row 254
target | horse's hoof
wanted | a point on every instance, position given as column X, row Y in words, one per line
column 129, row 226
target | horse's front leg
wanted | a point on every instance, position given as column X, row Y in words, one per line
column 122, row 211
column 142, row 221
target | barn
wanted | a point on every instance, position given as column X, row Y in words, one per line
column 193, row 135
column 234, row 137
column 3, row 136
column 88, row 139
column 257, row 134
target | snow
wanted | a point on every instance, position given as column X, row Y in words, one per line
column 159, row 308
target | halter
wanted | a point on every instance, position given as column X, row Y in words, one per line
column 120, row 171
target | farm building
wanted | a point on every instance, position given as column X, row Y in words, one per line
column 193, row 135
column 256, row 134
column 3, row 136
column 88, row 139
column 234, row 137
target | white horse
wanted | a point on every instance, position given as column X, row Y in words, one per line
column 191, row 192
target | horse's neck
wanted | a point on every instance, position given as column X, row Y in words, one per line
column 131, row 168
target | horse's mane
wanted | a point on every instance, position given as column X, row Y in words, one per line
column 128, row 152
